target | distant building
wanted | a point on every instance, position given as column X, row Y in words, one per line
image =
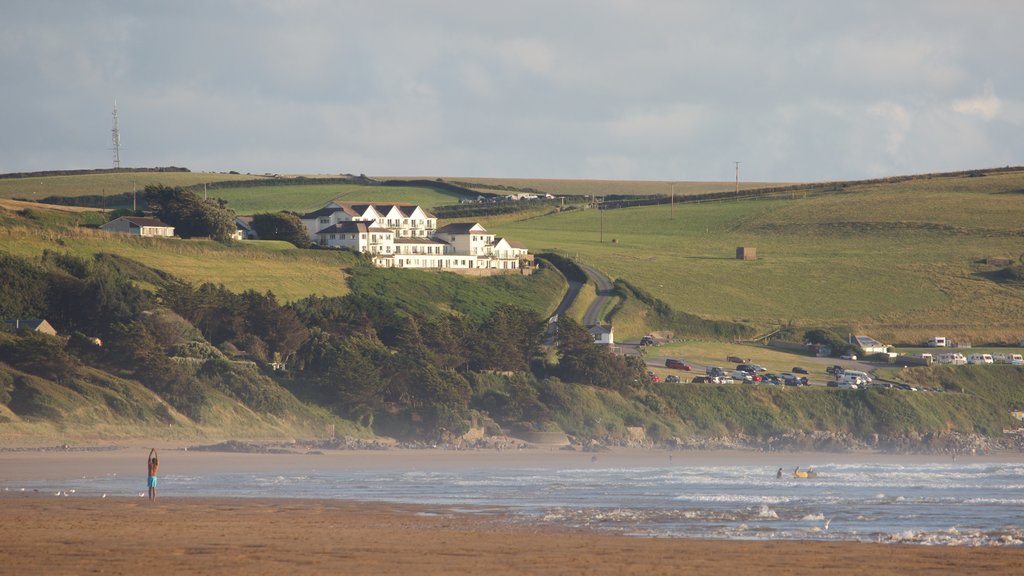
column 869, row 345
column 34, row 324
column 243, row 229
column 138, row 226
column 602, row 334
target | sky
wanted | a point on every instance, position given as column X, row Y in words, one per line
column 593, row 89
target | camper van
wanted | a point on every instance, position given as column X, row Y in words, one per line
column 851, row 381
column 954, row 358
column 1008, row 358
column 862, row 375
column 979, row 359
column 937, row 342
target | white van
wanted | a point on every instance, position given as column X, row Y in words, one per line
column 1007, row 358
column 851, row 380
column 862, row 375
column 954, row 358
column 937, row 342
column 979, row 359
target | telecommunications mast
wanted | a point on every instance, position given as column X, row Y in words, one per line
column 115, row 138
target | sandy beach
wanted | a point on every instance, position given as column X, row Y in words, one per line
column 43, row 534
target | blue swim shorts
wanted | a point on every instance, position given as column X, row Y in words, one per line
column 152, row 482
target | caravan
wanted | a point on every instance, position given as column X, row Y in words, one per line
column 979, row 359
column 954, row 358
column 937, row 342
column 1008, row 358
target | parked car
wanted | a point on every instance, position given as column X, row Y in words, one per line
column 655, row 378
column 702, row 379
column 743, row 376
column 790, row 379
column 734, row 359
column 747, row 368
column 677, row 364
column 759, row 368
column 671, row 379
column 771, row 379
column 647, row 340
column 850, row 356
column 799, row 370
column 835, row 370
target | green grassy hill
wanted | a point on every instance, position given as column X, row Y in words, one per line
column 899, row 261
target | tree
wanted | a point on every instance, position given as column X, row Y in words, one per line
column 281, row 226
column 189, row 214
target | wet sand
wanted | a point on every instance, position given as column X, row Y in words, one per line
column 79, row 534
column 48, row 535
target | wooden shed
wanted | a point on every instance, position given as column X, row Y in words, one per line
column 746, row 253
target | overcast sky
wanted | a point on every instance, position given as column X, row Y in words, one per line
column 639, row 90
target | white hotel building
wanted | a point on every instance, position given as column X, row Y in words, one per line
column 406, row 236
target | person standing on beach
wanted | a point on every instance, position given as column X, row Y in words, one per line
column 153, row 466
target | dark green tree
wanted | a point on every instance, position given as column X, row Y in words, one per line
column 281, row 226
column 189, row 214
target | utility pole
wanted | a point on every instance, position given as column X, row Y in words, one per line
column 672, row 203
column 737, row 162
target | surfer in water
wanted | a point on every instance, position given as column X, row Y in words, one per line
column 778, row 474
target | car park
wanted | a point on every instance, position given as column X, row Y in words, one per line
column 677, row 364
column 799, row 370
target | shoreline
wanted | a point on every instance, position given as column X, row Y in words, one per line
column 57, row 464
column 274, row 536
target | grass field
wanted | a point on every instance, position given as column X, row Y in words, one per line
column 899, row 261
column 605, row 187
column 38, row 187
column 896, row 261
column 306, row 198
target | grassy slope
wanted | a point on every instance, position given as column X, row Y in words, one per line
column 38, row 187
column 307, row 198
column 894, row 260
column 275, row 266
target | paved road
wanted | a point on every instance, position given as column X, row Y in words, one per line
column 604, row 293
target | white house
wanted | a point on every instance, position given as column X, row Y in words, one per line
column 138, row 226
column 406, row 236
column 602, row 334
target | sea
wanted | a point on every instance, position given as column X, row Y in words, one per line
column 959, row 504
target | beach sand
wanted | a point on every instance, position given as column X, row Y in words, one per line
column 43, row 534
column 48, row 535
